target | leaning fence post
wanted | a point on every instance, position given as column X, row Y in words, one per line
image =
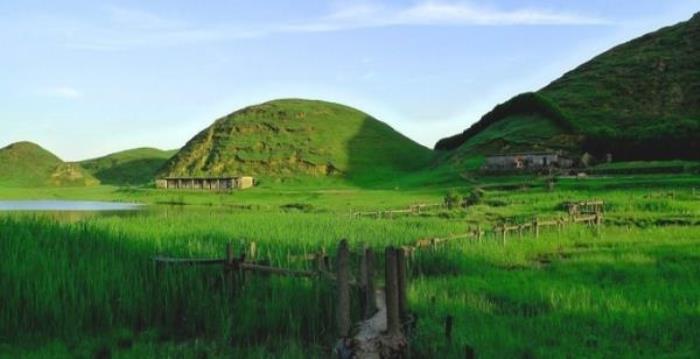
column 367, row 282
column 392, row 292
column 343, row 284
column 402, row 281
column 536, row 227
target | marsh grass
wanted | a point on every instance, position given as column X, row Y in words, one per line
column 85, row 285
column 611, row 294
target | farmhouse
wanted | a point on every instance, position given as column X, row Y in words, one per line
column 206, row 183
column 527, row 161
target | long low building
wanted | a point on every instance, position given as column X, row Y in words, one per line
column 527, row 161
column 206, row 183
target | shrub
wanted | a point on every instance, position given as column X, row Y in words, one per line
column 474, row 197
column 452, row 199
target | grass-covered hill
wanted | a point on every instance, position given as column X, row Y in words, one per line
column 134, row 166
column 25, row 164
column 299, row 138
column 638, row 101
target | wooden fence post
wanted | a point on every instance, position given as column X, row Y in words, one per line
column 449, row 321
column 369, row 305
column 228, row 266
column 253, row 251
column 326, row 259
column 320, row 262
column 229, row 253
column 343, row 285
column 469, row 352
column 402, row 281
column 536, row 227
column 392, row 292
column 478, row 233
column 503, row 234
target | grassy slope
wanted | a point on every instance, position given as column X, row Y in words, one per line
column 640, row 100
column 134, row 166
column 291, row 138
column 647, row 85
column 25, row 164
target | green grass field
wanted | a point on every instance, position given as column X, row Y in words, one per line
column 84, row 285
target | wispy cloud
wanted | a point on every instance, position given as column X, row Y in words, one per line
column 122, row 28
column 64, row 92
column 437, row 13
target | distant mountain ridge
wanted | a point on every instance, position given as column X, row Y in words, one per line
column 639, row 101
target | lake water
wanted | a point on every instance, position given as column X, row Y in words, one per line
column 68, row 206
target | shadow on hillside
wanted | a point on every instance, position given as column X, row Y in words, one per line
column 135, row 172
column 379, row 156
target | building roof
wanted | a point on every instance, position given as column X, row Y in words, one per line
column 202, row 178
column 553, row 153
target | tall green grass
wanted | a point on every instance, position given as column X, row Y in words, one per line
column 94, row 276
column 83, row 286
column 616, row 293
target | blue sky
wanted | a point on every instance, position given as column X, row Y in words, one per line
column 86, row 78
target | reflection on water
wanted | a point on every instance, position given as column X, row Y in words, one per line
column 70, row 206
column 70, row 210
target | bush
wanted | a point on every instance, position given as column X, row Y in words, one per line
column 452, row 199
column 474, row 197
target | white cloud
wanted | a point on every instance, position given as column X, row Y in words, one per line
column 122, row 29
column 65, row 92
column 438, row 13
column 139, row 19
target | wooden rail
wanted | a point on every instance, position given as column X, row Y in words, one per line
column 417, row 208
column 395, row 310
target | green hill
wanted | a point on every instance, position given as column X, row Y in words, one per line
column 293, row 138
column 638, row 101
column 25, row 164
column 135, row 166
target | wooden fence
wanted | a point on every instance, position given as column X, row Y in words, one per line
column 384, row 315
column 386, row 332
column 414, row 209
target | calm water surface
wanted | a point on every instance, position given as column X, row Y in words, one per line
column 67, row 206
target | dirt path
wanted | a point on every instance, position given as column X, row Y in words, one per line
column 368, row 338
column 371, row 340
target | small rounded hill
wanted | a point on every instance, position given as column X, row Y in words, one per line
column 295, row 137
column 26, row 164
